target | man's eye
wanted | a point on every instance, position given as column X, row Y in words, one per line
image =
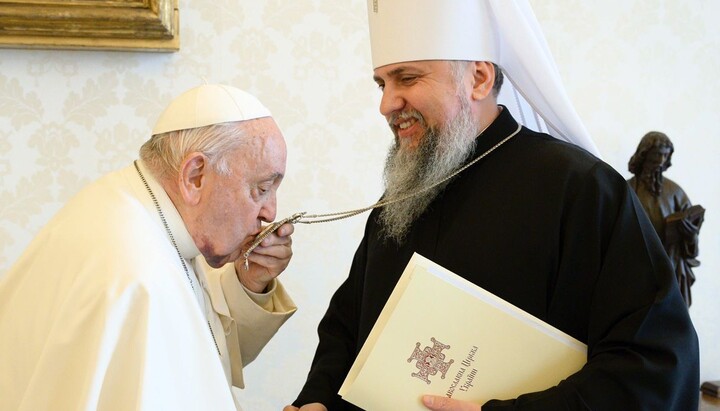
column 408, row 79
column 381, row 87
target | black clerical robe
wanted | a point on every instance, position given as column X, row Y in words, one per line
column 558, row 233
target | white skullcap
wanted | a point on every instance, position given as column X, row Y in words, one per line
column 505, row 32
column 209, row 104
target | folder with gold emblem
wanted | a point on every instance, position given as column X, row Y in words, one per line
column 440, row 334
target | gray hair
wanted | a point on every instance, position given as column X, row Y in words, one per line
column 458, row 66
column 163, row 153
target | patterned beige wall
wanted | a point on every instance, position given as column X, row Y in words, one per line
column 67, row 117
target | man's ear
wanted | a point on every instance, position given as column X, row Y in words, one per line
column 193, row 177
column 483, row 79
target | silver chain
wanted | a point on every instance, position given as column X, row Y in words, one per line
column 304, row 218
column 172, row 240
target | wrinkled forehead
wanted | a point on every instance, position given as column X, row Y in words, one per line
column 262, row 129
column 412, row 67
column 265, row 145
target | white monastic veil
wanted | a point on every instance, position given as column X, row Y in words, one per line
column 534, row 93
column 520, row 108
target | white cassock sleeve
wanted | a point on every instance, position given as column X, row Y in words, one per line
column 249, row 320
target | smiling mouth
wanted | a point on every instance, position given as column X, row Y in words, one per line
column 406, row 124
column 403, row 121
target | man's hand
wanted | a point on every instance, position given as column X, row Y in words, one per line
column 266, row 261
column 439, row 403
column 316, row 406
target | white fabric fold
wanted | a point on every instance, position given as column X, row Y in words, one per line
column 527, row 62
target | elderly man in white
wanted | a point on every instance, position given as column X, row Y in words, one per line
column 136, row 295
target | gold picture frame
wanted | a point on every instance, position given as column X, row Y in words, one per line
column 129, row 25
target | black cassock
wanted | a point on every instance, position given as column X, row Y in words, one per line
column 558, row 233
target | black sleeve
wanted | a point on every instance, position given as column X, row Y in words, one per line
column 642, row 347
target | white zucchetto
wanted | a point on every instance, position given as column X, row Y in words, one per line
column 505, row 32
column 209, row 104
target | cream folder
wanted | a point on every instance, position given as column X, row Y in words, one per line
column 440, row 334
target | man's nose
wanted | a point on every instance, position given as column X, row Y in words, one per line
column 391, row 101
column 268, row 211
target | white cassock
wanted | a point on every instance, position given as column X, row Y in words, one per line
column 99, row 314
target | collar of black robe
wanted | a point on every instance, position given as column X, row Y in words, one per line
column 500, row 128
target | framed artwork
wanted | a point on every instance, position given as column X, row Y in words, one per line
column 137, row 25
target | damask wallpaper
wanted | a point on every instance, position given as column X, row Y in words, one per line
column 67, row 117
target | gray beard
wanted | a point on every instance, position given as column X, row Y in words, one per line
column 440, row 153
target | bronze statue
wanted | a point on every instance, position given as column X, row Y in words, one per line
column 675, row 219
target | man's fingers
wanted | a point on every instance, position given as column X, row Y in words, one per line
column 285, row 230
column 439, row 403
column 281, row 236
column 271, row 259
column 316, row 406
